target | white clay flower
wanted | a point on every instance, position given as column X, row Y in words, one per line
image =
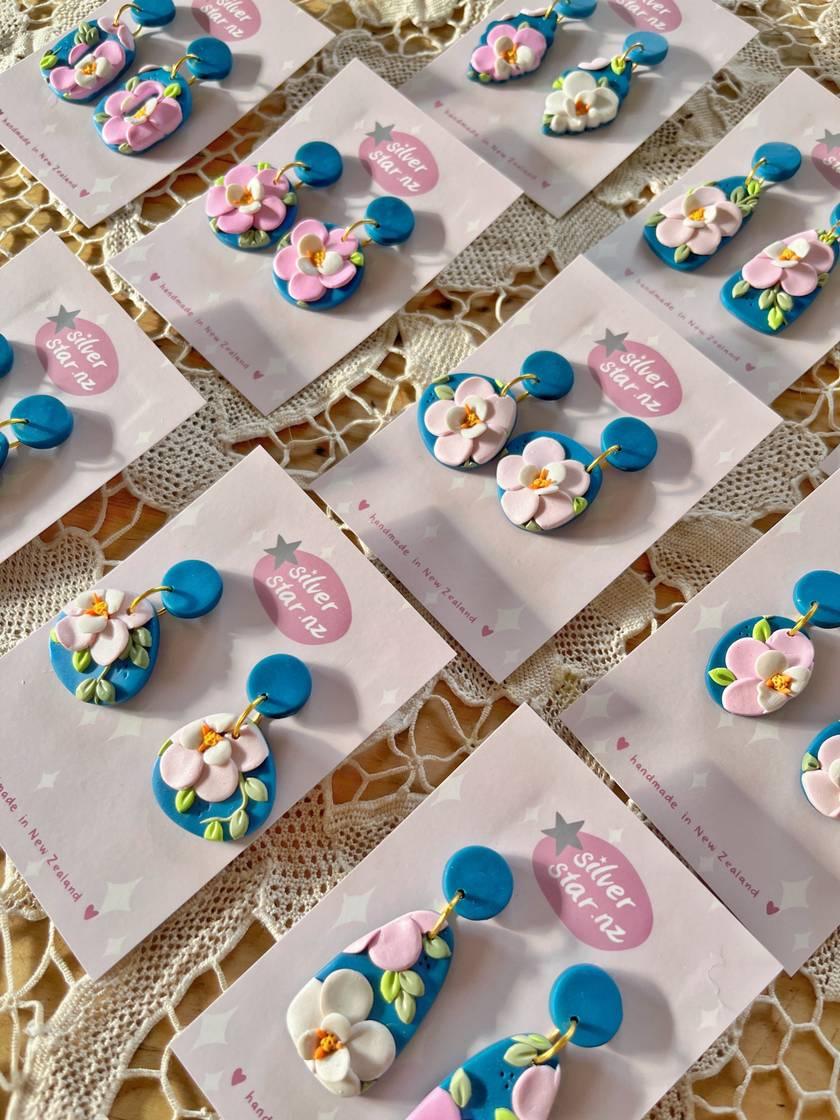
column 580, row 104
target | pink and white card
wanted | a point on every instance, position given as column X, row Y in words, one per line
column 503, row 122
column 81, row 822
column 592, row 884
column 72, row 341
column 225, row 302
column 502, row 592
column 800, row 112
column 57, row 139
column 724, row 789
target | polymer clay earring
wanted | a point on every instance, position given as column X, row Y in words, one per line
column 546, row 480
column 253, row 206
column 353, row 1019
column 465, row 419
column 687, row 232
column 216, row 776
column 762, row 663
column 322, row 265
column 592, row 94
column 7, row 355
column 85, row 61
column 778, row 286
column 518, row 1078
column 105, row 643
column 821, row 772
column 516, row 45
column 149, row 107
column 40, row 422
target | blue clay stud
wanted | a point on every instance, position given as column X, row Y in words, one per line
column 153, row 13
column 652, row 51
column 484, row 877
column 589, row 996
column 196, row 588
column 323, row 164
column 46, row 421
column 393, row 220
column 4, row 449
column 284, row 681
column 209, row 59
column 820, row 772
column 577, row 9
column 779, row 161
column 636, row 441
column 7, row 355
column 821, row 587
column 554, row 375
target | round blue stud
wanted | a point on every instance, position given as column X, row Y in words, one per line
column 212, row 59
column 153, row 13
column 7, row 355
column 821, row 587
column 196, row 589
column 654, row 48
column 590, row 995
column 324, row 165
column 285, row 682
column 485, row 878
column 49, row 422
column 577, row 9
column 554, row 374
column 637, row 441
column 782, row 161
column 394, row 220
column 835, row 215
column 4, row 449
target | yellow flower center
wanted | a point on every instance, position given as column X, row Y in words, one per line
column 209, row 738
column 471, row 417
column 581, row 107
column 780, row 682
column 141, row 113
column 698, row 215
column 317, row 257
column 510, row 55
column 541, row 481
column 89, row 67
column 328, row 1043
column 246, row 198
column 98, row 607
column 789, row 255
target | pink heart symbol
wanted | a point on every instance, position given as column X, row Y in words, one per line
column 83, row 193
column 629, row 272
column 622, row 744
column 438, row 104
column 154, row 276
column 486, row 631
column 546, row 184
column 258, row 375
column 772, row 909
column 363, row 505
column 91, row 912
column 238, row 1076
column 749, row 367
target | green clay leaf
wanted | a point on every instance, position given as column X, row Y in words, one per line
column 761, row 630
column 738, row 195
column 723, row 677
column 101, row 118
column 444, row 379
column 484, row 77
column 87, row 33
column 557, row 83
column 521, row 1054
column 139, row 657
column 504, row 1114
column 618, row 65
column 263, row 166
column 603, row 82
column 823, row 279
column 776, row 319
column 740, row 289
column 184, row 800
column 444, row 393
column 48, row 61
column 655, row 219
column 125, row 149
column 143, row 636
column 436, row 948
column 579, row 505
column 357, row 258
column 406, row 1007
column 810, row 763
column 540, row 1042
column 533, row 527
column 165, row 747
column 256, row 789
column 412, row 983
column 105, row 692
column 81, row 660
column 131, row 84
column 767, row 299
column 214, row 831
column 460, row 1088
column 754, row 188
column 682, row 253
column 220, row 182
column 238, row 824
column 54, row 637
column 389, row 986
column 289, row 199
column 85, row 690
column 214, row 224
column 173, row 90
column 253, row 239
column 785, row 301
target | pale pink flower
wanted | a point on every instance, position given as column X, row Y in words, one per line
column 509, row 52
column 316, row 261
column 822, row 787
column 768, row 673
column 99, row 621
column 700, row 220
column 474, row 426
column 204, row 756
column 541, row 484
column 396, row 946
column 796, row 263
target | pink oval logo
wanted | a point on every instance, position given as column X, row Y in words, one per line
column 635, row 377
column 304, row 598
column 826, row 158
column 79, row 357
column 398, row 161
column 649, row 15
column 595, row 892
column 231, row 20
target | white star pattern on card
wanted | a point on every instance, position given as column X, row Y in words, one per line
column 699, row 780
column 709, row 1019
column 326, row 552
column 711, row 618
column 190, row 516
column 103, row 186
column 615, row 835
column 795, row 894
column 258, row 536
column 451, row 788
column 211, row 1081
column 142, row 438
column 212, row 1028
column 430, row 532
column 802, row 941
column 766, row 731
column 113, row 946
column 706, row 864
column 726, row 719
column 532, row 814
column 354, row 908
column 726, row 456
column 508, row 619
column 512, row 657
column 128, row 726
column 430, row 598
column 118, row 897
column 598, row 746
column 791, row 523
column 47, row 781
column 90, row 714
column 389, row 697
column 331, row 1115
column 33, row 869
column 458, row 482
column 596, row 703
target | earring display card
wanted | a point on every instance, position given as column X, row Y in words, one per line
column 725, row 789
column 71, row 341
column 58, row 142
column 503, row 122
column 592, row 885
column 225, row 302
column 798, row 112
column 82, row 824
column 443, row 534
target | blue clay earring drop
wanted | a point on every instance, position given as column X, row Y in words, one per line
column 546, row 480
column 40, row 422
column 688, row 231
column 104, row 644
column 778, row 286
column 7, row 355
column 592, row 94
column 88, row 60
column 820, row 772
column 353, row 1019
column 215, row 777
column 520, row 1075
column 322, row 265
column 154, row 104
column 466, row 419
column 253, row 206
column 516, row 45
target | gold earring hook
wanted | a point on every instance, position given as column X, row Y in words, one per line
column 173, row 70
column 13, row 420
column 457, row 897
column 360, row 222
column 516, row 381
column 603, row 457
column 124, row 8
column 237, row 727
column 559, row 1040
column 804, row 620
column 633, row 47
column 288, row 167
column 132, row 606
column 753, row 170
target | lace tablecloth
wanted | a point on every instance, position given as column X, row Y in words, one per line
column 73, row 1048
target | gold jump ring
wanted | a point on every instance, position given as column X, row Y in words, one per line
column 237, row 727
column 444, row 915
column 603, row 457
column 560, row 1041
column 804, row 620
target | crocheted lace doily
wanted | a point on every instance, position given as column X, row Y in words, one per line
column 85, row 1050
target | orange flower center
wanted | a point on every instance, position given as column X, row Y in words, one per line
column 471, row 417
column 209, row 738
column 246, row 198
column 89, row 67
column 581, row 107
column 541, row 481
column 780, row 682
column 510, row 55
column 698, row 215
column 317, row 257
column 328, row 1043
column 98, row 607
column 789, row 255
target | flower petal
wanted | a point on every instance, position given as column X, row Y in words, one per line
column 555, row 510
column 271, row 214
column 435, row 418
column 769, row 663
column 166, row 115
column 535, row 1092
column 285, row 263
column 474, row 387
column 91, row 623
column 217, row 783
column 798, row 648
column 520, row 506
column 180, row 768
column 579, row 81
column 673, row 232
column 331, row 263
column 250, row 750
column 306, row 288
column 340, row 278
column 829, row 752
column 769, row 699
column 452, row 452
column 347, row 992
column 543, row 451
column 479, row 406
column 455, row 416
column 398, row 946
column 438, row 1105
column 530, row 37
column 729, row 218
column 508, row 471
column 216, row 202
column 705, row 241
column 114, row 131
column 308, row 1042
column 742, row 656
column 110, row 642
column 304, row 1012
column 577, row 480
column 556, row 102
column 235, row 221
column 372, row 1050
column 337, row 1024
column 71, row 635
column 141, row 135
column 241, row 175
column 309, row 228
column 335, row 1067
column 504, row 31
column 800, row 280
column 821, row 791
column 346, row 246
column 741, row 699
column 112, row 52
column 762, row 272
column 219, row 754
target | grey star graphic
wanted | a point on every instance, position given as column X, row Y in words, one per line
column 831, row 139
column 564, row 834
column 283, row 550
column 380, row 132
column 612, row 342
column 63, row 319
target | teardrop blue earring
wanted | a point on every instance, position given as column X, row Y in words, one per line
column 514, row 46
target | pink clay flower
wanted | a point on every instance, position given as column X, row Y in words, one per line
column 140, row 117
column 396, row 946
column 90, row 70
column 99, row 621
column 316, row 261
column 822, row 787
column 248, row 199
column 700, row 220
column 768, row 673
column 796, row 263
column 541, row 484
column 205, row 757
column 474, row 427
column 509, row 52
